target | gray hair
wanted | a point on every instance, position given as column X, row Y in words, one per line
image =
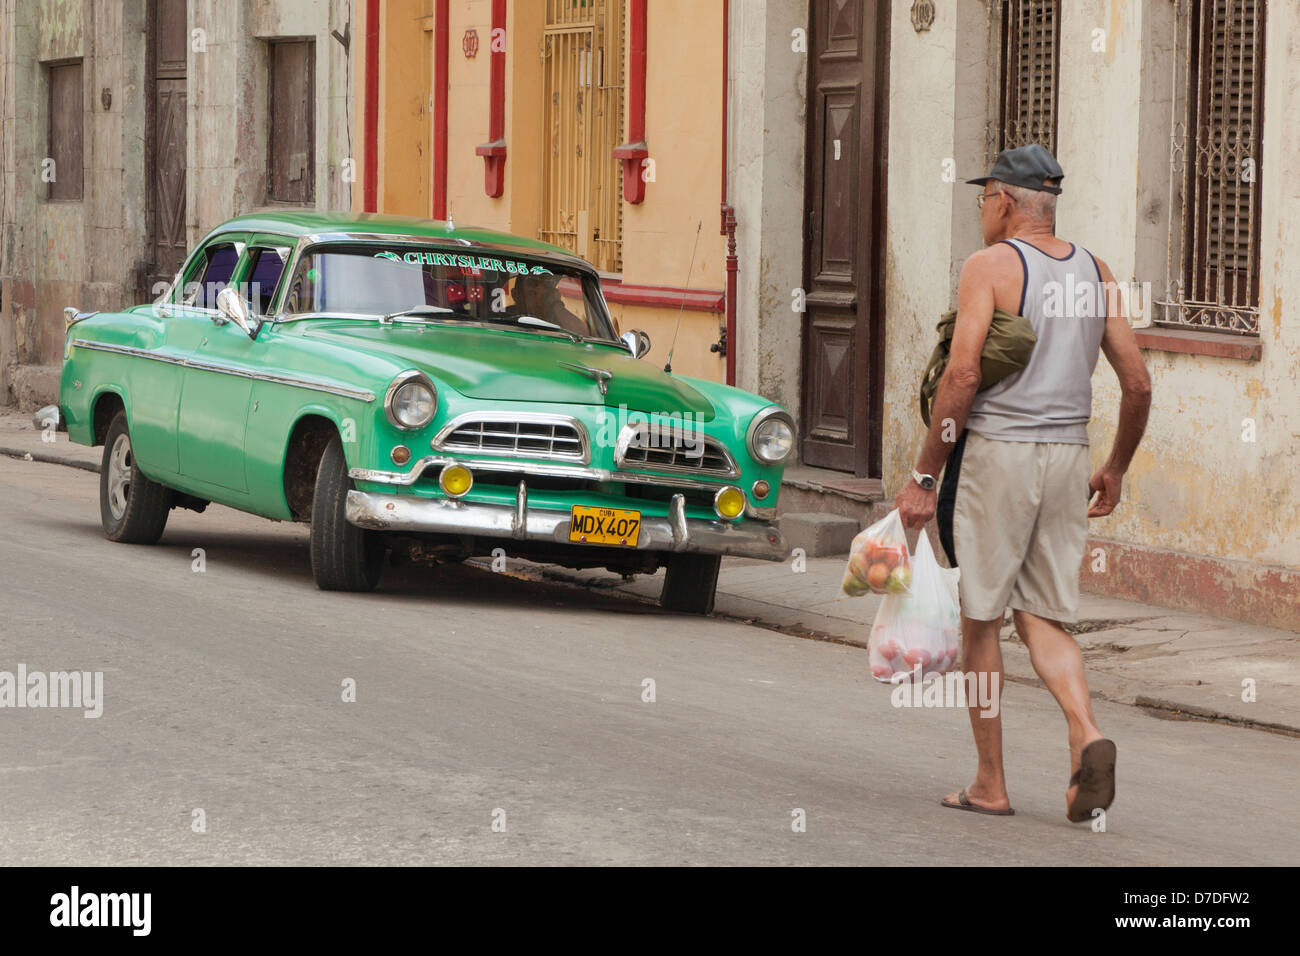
column 1035, row 204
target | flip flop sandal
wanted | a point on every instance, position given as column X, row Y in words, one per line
column 1096, row 780
column 963, row 803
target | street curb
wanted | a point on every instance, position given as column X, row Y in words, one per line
column 22, row 455
column 1175, row 710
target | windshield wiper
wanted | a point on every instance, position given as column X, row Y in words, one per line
column 413, row 310
column 535, row 324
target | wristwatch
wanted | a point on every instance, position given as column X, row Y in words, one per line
column 927, row 482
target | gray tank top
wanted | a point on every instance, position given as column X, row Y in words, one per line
column 1050, row 399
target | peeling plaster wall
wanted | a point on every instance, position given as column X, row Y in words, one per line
column 767, row 116
column 1195, row 486
column 228, row 101
column 90, row 252
column 919, row 221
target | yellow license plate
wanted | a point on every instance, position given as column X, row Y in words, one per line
column 615, row 526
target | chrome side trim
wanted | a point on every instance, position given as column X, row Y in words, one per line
column 441, row 441
column 360, row 395
column 674, row 533
column 408, row 478
column 624, row 440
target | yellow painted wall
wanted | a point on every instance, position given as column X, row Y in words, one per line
column 683, row 130
column 468, row 115
column 405, row 106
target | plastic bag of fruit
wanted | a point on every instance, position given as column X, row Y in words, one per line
column 878, row 559
column 916, row 635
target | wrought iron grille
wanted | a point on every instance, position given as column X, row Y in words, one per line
column 1212, row 265
column 1031, row 36
column 582, row 184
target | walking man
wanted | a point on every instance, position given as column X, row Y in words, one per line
column 1013, row 514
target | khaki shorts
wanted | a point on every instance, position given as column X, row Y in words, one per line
column 1019, row 526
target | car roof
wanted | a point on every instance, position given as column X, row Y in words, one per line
column 316, row 222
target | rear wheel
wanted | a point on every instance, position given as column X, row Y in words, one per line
column 343, row 556
column 690, row 583
column 133, row 509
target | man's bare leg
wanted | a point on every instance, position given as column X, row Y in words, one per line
column 1059, row 662
column 982, row 654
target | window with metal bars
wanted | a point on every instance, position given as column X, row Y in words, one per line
column 582, row 185
column 1212, row 274
column 1031, row 68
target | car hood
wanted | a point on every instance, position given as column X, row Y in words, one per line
column 511, row 366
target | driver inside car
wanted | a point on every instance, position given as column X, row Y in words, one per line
column 539, row 296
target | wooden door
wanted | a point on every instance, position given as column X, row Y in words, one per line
column 843, row 327
column 291, row 148
column 168, row 118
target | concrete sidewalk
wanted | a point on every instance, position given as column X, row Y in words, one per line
column 20, row 438
column 1172, row 662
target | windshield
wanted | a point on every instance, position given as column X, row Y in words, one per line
column 445, row 285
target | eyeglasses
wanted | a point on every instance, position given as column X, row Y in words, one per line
column 979, row 200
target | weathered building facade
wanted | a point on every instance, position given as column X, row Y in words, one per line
column 1173, row 120
column 131, row 127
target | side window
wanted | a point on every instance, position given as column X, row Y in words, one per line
column 264, row 276
column 214, row 277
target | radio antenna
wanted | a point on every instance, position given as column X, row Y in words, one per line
column 668, row 365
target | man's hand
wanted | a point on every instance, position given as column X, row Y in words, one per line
column 915, row 505
column 1109, row 484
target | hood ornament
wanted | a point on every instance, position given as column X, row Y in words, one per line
column 600, row 375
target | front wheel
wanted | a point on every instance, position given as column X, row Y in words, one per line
column 343, row 556
column 133, row 509
column 690, row 583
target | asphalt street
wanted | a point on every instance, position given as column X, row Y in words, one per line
column 482, row 698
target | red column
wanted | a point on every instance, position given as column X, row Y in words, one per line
column 635, row 150
column 370, row 188
column 494, row 150
column 441, row 53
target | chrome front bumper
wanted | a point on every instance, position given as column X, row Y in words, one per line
column 676, row 532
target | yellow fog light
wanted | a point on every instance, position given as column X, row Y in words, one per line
column 729, row 502
column 455, row 481
column 760, row 489
column 400, row 455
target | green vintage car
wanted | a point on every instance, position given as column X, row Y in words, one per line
column 426, row 391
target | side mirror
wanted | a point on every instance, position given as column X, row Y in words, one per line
column 637, row 342
column 234, row 308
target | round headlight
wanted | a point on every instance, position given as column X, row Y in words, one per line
column 771, row 437
column 411, row 402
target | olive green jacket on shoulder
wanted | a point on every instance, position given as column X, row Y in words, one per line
column 1010, row 340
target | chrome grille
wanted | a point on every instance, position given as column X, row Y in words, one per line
column 554, row 438
column 671, row 450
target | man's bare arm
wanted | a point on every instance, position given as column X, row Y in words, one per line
column 1120, row 347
